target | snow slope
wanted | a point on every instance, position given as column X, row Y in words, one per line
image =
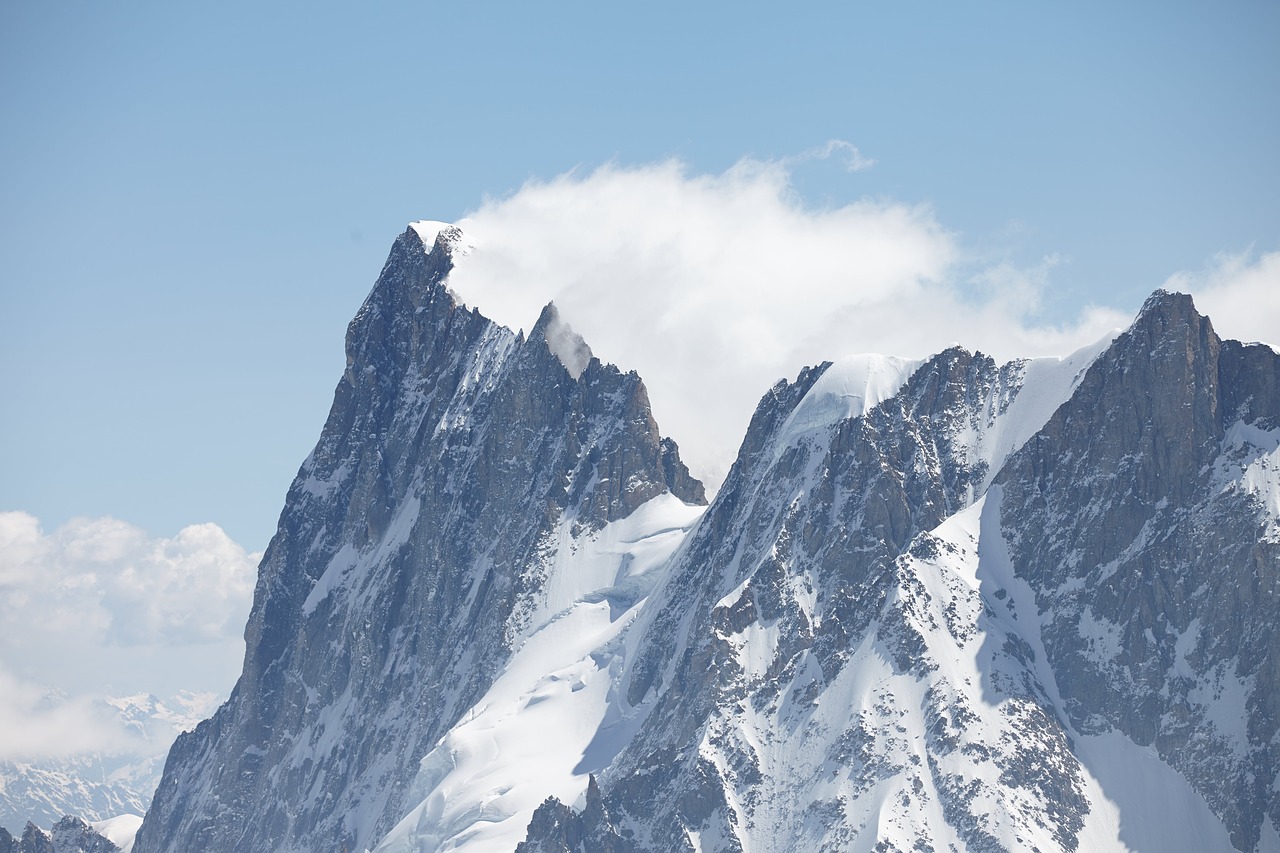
column 527, row 739
column 119, row 830
column 846, row 389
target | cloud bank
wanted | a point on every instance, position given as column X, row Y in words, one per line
column 99, row 609
column 37, row 723
column 713, row 287
column 112, row 582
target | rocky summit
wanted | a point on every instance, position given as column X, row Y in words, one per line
column 937, row 605
column 69, row 835
column 409, row 560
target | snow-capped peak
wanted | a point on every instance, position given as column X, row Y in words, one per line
column 848, row 388
column 427, row 230
column 119, row 830
column 445, row 235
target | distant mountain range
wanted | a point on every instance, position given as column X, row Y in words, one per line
column 98, row 786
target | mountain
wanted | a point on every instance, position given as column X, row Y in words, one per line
column 69, row 835
column 421, row 541
column 98, row 786
column 945, row 604
column 1020, row 608
column 1144, row 518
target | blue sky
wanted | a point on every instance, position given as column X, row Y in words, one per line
column 196, row 198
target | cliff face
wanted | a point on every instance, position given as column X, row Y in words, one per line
column 1143, row 515
column 387, row 600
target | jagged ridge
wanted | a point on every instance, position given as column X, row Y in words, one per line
column 808, row 656
column 387, row 600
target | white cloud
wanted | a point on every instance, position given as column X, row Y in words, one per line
column 109, row 581
column 37, row 723
column 854, row 161
column 712, row 287
column 1240, row 293
column 99, row 609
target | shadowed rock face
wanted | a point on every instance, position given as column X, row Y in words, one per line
column 69, row 835
column 384, row 604
column 1157, row 570
column 556, row 828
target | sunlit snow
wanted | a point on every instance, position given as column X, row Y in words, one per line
column 553, row 715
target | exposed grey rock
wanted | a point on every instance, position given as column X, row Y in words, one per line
column 74, row 835
column 1158, row 574
column 678, row 478
column 556, row 828
column 35, row 840
column 806, row 542
column 387, row 600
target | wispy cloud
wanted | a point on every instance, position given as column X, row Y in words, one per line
column 714, row 286
column 1240, row 293
column 38, row 723
column 846, row 152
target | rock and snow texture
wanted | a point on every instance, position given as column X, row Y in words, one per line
column 1028, row 607
column 947, row 605
column 1143, row 516
column 811, row 680
column 553, row 716
column 73, row 835
column 418, row 549
column 91, row 786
